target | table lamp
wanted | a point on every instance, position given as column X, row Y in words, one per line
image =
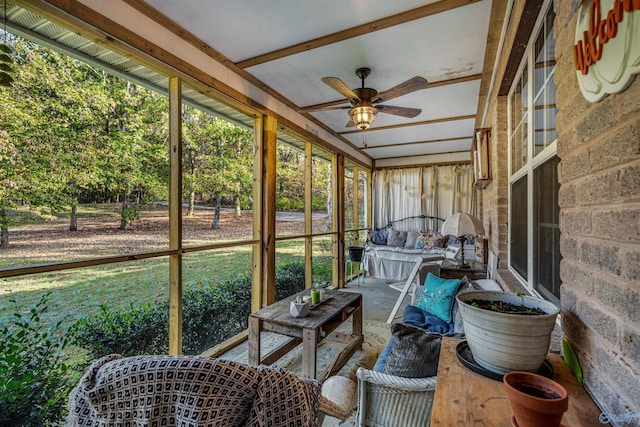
column 460, row 224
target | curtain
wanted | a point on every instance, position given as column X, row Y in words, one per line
column 434, row 191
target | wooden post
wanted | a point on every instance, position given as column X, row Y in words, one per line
column 257, row 286
column 308, row 217
column 338, row 220
column 269, row 133
column 356, row 205
column 175, row 215
column 369, row 199
column 356, row 222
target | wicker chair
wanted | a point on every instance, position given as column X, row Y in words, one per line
column 390, row 401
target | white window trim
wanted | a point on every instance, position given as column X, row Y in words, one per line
column 532, row 162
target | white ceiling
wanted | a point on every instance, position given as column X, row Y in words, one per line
column 439, row 47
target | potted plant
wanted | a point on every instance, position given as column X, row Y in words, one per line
column 506, row 331
column 535, row 400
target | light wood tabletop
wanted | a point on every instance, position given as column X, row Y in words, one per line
column 318, row 325
column 465, row 398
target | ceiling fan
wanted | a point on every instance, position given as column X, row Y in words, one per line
column 365, row 101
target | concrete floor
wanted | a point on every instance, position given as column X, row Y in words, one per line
column 377, row 298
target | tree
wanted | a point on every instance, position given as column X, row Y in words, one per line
column 217, row 160
column 30, row 136
column 69, row 129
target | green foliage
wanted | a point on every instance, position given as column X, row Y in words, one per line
column 322, row 270
column 6, row 61
column 34, row 377
column 286, row 204
column 211, row 314
column 109, row 137
column 289, row 278
column 318, row 203
column 140, row 329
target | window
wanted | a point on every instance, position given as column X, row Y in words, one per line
column 534, row 232
column 546, row 226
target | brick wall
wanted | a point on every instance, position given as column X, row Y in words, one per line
column 599, row 172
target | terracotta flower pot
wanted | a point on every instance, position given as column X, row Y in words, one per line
column 536, row 400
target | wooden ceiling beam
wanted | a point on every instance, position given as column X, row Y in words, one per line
column 370, row 27
column 429, row 141
column 402, row 125
column 439, row 153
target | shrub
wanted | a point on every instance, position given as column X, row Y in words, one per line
column 318, row 203
column 283, row 203
column 289, row 278
column 34, row 377
column 322, row 270
column 140, row 329
column 214, row 313
column 211, row 314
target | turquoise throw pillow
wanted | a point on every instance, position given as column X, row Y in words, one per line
column 438, row 296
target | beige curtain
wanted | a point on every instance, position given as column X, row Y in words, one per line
column 434, row 191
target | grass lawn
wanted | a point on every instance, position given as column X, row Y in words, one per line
column 80, row 292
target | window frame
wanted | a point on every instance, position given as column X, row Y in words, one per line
column 533, row 161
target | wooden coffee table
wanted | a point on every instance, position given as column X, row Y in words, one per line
column 310, row 330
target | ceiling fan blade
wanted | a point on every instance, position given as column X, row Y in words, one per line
column 339, row 86
column 399, row 111
column 313, row 108
column 350, row 124
column 411, row 85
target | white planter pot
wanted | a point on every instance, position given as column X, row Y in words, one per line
column 503, row 342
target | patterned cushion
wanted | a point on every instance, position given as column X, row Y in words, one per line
column 429, row 240
column 379, row 237
column 284, row 400
column 152, row 390
column 396, row 238
column 438, row 296
column 414, row 353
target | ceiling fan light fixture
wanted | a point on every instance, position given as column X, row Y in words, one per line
column 363, row 116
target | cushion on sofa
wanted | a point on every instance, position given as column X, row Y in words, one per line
column 414, row 353
column 378, row 237
column 438, row 296
column 412, row 236
column 396, row 238
column 429, row 240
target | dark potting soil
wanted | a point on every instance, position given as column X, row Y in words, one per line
column 536, row 391
column 505, row 307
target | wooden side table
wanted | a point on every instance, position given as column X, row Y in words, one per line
column 451, row 269
column 465, row 398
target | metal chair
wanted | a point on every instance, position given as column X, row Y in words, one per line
column 355, row 256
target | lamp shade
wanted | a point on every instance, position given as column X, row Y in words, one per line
column 363, row 116
column 461, row 223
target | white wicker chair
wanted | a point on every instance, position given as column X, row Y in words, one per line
column 391, row 401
